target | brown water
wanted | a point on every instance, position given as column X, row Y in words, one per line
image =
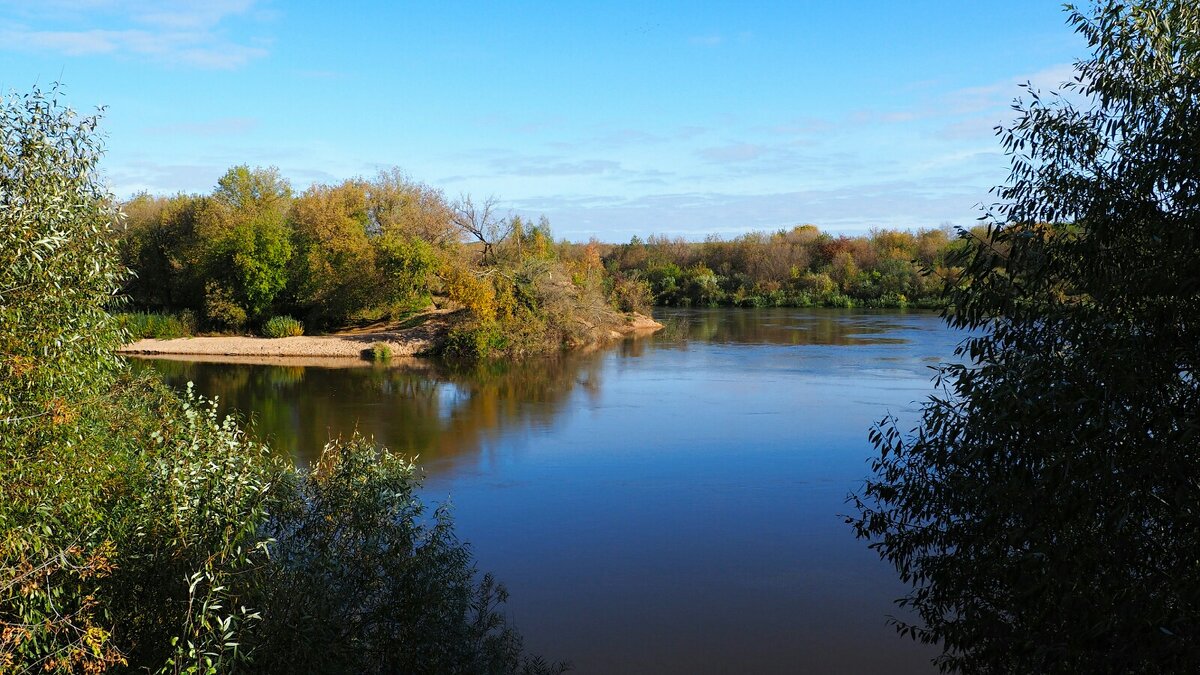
column 669, row 505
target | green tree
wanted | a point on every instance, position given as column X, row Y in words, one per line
column 335, row 265
column 406, row 268
column 256, row 193
column 57, row 272
column 1046, row 511
column 245, row 245
column 252, row 259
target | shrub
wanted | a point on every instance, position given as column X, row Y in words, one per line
column 156, row 325
column 58, row 271
column 349, row 586
column 839, row 300
column 473, row 341
column 817, row 284
column 380, row 352
column 282, row 326
column 220, row 309
column 632, row 295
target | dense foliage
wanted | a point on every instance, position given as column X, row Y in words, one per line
column 138, row 325
column 140, row 533
column 359, row 252
column 800, row 267
column 1047, row 509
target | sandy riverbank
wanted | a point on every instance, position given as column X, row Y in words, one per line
column 413, row 340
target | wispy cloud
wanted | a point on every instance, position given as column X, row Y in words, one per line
column 905, row 204
column 148, row 175
column 172, row 31
column 551, row 166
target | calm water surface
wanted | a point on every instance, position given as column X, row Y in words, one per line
column 670, row 505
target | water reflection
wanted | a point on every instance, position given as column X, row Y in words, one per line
column 783, row 326
column 414, row 407
column 419, row 408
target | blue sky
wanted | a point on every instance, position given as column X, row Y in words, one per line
column 613, row 119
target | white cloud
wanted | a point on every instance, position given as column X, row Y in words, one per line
column 171, row 31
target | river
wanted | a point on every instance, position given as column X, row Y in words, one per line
column 668, row 505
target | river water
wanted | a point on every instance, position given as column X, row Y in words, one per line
column 668, row 505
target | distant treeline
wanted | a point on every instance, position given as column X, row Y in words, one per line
column 800, row 267
column 251, row 255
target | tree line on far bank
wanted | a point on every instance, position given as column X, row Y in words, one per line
column 365, row 250
column 797, row 267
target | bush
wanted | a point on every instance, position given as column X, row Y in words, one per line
column 349, row 586
column 221, row 310
column 157, row 325
column 839, row 300
column 380, row 352
column 281, row 327
column 471, row 342
column 631, row 295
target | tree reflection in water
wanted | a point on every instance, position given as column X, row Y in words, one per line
column 411, row 406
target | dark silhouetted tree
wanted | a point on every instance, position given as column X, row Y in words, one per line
column 1046, row 511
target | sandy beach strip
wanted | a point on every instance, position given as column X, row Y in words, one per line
column 311, row 346
column 406, row 342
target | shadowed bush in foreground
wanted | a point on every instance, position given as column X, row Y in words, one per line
column 362, row 579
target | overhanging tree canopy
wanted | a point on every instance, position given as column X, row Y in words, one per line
column 1046, row 511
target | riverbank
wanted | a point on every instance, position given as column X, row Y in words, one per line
column 408, row 339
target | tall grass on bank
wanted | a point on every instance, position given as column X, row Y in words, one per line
column 157, row 325
column 281, row 327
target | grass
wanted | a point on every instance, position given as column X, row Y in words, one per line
column 282, row 326
column 157, row 325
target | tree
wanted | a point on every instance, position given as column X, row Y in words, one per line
column 57, row 271
column 481, row 224
column 256, row 192
column 1046, row 511
column 334, row 261
column 397, row 205
column 247, row 243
